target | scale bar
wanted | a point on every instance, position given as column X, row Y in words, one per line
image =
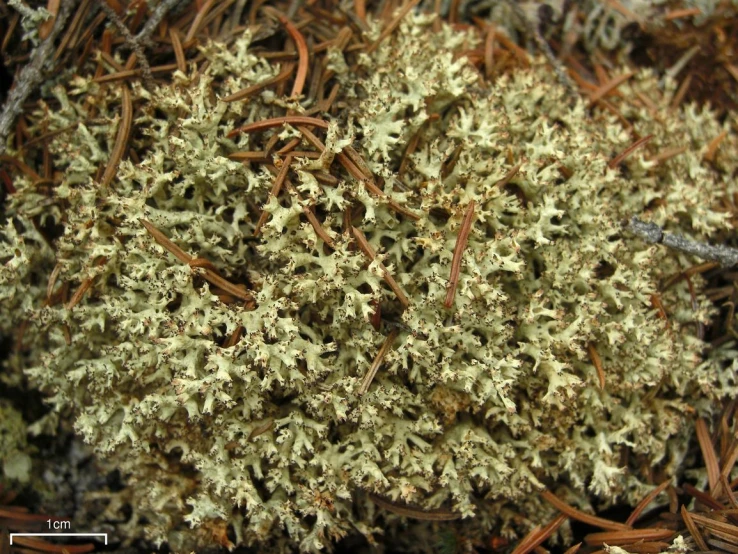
column 58, row 535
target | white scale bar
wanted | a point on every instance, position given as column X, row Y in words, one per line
column 58, row 535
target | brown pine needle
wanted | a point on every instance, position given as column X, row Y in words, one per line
column 538, row 535
column 681, row 91
column 415, row 513
column 608, row 87
column 289, row 147
column 278, row 122
column 360, row 7
column 43, row 546
column 52, row 281
column 319, row 230
column 369, row 377
column 489, row 53
column 119, row 76
column 253, row 89
column 302, row 50
column 620, row 538
column 261, row 428
column 178, row 50
column 461, row 241
column 643, row 504
column 357, row 174
column 573, row 513
column 708, row 453
column 412, row 145
column 369, row 252
column 729, row 460
column 516, row 50
column 509, row 175
column 713, row 146
column 197, row 22
column 667, row 153
column 84, row 287
column 617, row 160
column 233, row 338
column 249, row 156
column 722, row 545
column 163, row 240
column 276, row 188
column 728, row 492
column 393, row 25
column 202, row 263
column 574, row 549
column 726, row 530
column 121, row 139
column 703, row 497
column 79, row 293
column 212, row 277
column 597, row 362
column 679, row 14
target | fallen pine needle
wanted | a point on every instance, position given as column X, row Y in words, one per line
column 124, row 130
column 597, row 362
column 692, row 528
column 461, row 241
column 619, row 538
column 643, row 504
column 414, row 513
column 628, row 151
column 369, row 377
column 573, row 513
column 369, row 252
column 538, row 535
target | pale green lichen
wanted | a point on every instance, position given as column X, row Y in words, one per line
column 475, row 407
column 14, row 448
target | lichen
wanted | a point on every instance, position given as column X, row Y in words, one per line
column 14, row 448
column 475, row 407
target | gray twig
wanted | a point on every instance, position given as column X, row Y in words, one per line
column 650, row 232
column 32, row 74
column 154, row 19
column 132, row 42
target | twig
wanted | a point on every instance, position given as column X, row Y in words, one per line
column 650, row 232
column 131, row 42
column 155, row 18
column 31, row 75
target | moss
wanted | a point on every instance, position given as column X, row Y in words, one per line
column 475, row 407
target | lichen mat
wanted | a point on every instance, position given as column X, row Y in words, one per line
column 440, row 310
